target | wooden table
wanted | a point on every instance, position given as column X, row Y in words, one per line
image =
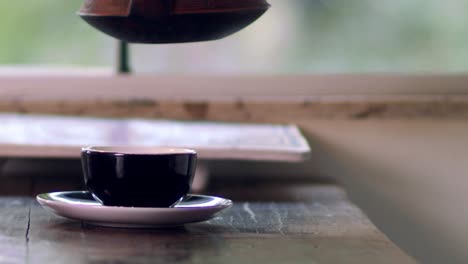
column 268, row 224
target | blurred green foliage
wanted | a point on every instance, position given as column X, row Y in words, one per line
column 369, row 35
column 316, row 36
column 49, row 32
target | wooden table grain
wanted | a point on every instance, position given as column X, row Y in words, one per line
column 274, row 224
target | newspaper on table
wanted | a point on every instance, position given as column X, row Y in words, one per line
column 45, row 136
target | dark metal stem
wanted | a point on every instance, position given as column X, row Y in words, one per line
column 123, row 58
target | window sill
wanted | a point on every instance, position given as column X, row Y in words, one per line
column 237, row 98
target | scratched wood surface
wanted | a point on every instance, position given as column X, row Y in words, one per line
column 269, row 224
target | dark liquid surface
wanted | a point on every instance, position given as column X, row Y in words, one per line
column 175, row 28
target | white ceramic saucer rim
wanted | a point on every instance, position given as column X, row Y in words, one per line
column 225, row 204
column 132, row 217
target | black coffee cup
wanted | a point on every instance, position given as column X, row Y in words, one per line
column 138, row 176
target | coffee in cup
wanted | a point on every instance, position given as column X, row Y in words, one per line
column 138, row 176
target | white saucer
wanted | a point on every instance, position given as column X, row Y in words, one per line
column 80, row 205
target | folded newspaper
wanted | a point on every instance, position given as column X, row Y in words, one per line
column 45, row 136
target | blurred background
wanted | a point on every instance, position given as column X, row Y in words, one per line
column 389, row 167
column 295, row 36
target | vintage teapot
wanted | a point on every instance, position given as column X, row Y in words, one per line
column 171, row 21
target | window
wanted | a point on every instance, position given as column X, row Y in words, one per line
column 47, row 32
column 295, row 36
